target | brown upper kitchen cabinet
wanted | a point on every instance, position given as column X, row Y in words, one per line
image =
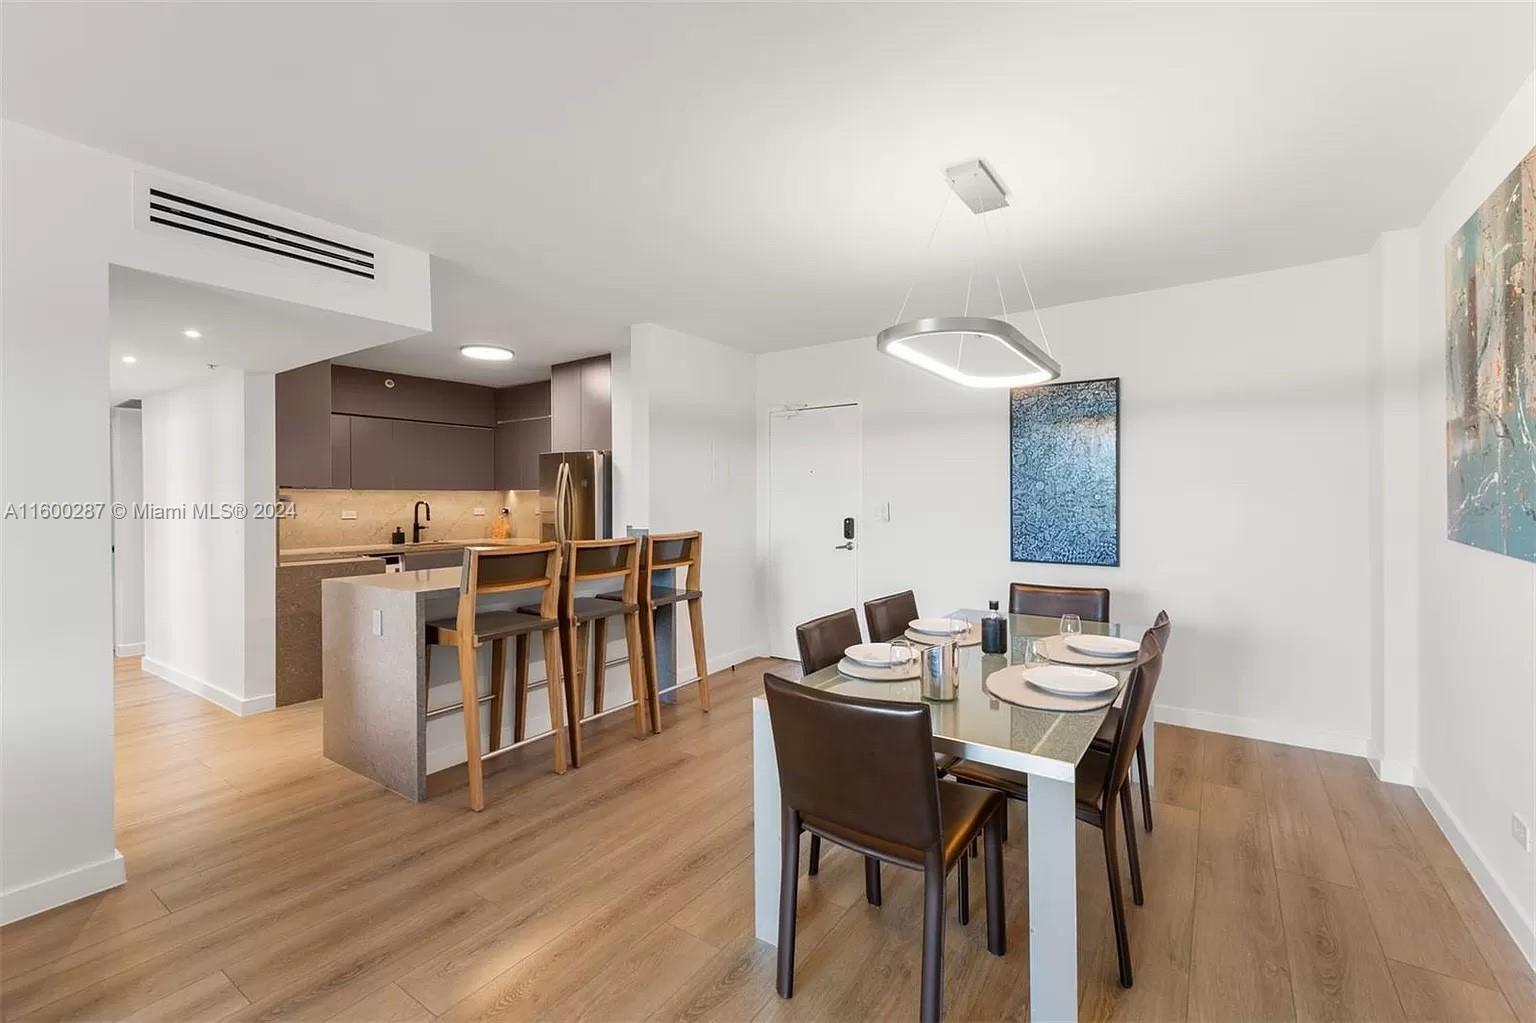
column 518, row 446
column 302, row 399
column 581, row 405
column 341, row 452
column 368, row 392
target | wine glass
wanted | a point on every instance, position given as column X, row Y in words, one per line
column 1071, row 625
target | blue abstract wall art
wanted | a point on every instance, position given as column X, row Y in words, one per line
column 1490, row 371
column 1064, row 456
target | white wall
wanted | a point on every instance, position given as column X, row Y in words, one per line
column 1477, row 610
column 685, row 447
column 1244, row 465
column 67, row 216
column 127, row 533
column 210, row 583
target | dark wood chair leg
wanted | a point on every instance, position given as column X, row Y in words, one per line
column 973, row 850
column 1117, row 900
column 520, row 688
column 1002, row 824
column 599, row 673
column 1129, row 819
column 997, row 923
column 872, row 880
column 1146, row 791
column 789, row 890
column 933, row 940
column 815, row 867
column 964, row 889
column 498, row 693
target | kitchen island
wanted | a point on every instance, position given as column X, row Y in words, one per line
column 391, row 701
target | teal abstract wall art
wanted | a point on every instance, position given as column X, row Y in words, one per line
column 1064, row 460
column 1490, row 371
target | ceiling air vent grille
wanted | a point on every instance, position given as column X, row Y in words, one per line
column 182, row 213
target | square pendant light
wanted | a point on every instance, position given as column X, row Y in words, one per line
column 1034, row 366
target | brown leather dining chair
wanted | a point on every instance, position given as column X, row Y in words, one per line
column 1103, row 776
column 1091, row 604
column 491, row 570
column 859, row 773
column 888, row 617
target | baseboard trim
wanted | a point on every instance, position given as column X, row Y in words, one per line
column 208, row 691
column 51, row 892
column 1396, row 772
column 128, row 649
column 1269, row 731
column 1506, row 908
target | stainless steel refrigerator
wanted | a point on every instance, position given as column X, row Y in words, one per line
column 575, row 495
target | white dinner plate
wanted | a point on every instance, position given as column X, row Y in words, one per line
column 938, row 626
column 875, row 655
column 1066, row 680
column 1103, row 646
column 894, row 673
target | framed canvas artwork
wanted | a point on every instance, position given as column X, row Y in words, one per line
column 1064, row 458
column 1490, row 371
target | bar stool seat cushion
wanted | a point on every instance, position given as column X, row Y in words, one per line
column 659, row 596
column 497, row 624
column 585, row 609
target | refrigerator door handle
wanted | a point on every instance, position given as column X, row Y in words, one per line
column 563, row 503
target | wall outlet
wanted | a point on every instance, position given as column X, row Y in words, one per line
column 1520, row 831
column 378, row 622
column 479, row 511
column 347, row 515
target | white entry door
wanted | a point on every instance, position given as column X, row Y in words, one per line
column 813, row 503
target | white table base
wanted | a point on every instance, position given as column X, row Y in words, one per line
column 1052, row 872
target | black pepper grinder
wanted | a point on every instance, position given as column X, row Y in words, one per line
column 994, row 631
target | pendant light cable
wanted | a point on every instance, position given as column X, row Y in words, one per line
column 922, row 263
column 1038, row 321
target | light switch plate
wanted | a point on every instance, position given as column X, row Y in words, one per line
column 1520, row 831
column 479, row 511
column 378, row 622
column 349, row 515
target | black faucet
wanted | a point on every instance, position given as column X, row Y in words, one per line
column 416, row 526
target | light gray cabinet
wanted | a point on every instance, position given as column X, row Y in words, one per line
column 581, row 405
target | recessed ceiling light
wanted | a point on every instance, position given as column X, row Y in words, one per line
column 192, row 332
column 490, row 353
column 130, row 360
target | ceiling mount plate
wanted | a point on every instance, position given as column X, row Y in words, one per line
column 976, row 185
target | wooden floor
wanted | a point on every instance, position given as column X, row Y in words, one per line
column 267, row 883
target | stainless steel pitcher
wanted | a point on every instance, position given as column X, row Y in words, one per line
column 941, row 671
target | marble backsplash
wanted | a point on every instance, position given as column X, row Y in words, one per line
column 318, row 521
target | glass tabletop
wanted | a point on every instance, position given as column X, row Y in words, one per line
column 980, row 727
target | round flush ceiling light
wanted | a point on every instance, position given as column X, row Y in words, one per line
column 192, row 332
column 488, row 353
column 129, row 359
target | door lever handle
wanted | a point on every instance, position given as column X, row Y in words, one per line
column 844, row 546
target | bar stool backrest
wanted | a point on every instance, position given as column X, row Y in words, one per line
column 664, row 551
column 587, row 560
column 504, row 570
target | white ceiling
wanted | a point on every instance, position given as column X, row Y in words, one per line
column 766, row 175
column 149, row 313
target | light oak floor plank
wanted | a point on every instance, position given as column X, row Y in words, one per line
column 1414, row 917
column 1241, row 966
column 1430, row 997
column 1301, row 823
column 267, row 883
column 1337, row 969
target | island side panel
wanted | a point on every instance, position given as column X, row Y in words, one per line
column 374, row 684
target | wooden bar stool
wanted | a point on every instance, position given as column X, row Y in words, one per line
column 584, row 627
column 490, row 570
column 663, row 552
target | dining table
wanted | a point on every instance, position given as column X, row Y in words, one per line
column 1046, row 745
